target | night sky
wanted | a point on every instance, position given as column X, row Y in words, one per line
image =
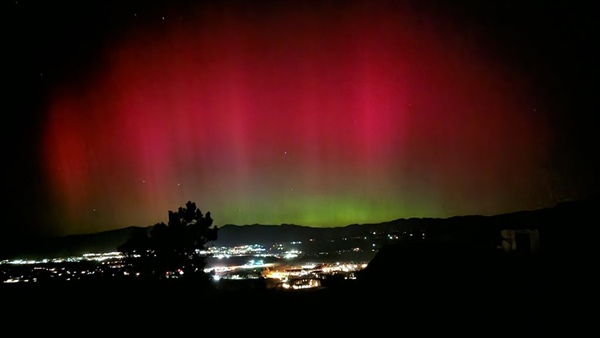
column 319, row 113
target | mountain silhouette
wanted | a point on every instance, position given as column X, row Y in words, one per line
column 557, row 226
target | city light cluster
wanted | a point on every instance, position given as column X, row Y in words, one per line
column 97, row 257
column 112, row 264
column 291, row 265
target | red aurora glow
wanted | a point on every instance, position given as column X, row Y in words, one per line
column 320, row 117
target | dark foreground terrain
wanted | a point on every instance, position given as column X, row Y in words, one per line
column 536, row 296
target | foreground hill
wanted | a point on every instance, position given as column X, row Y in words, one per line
column 409, row 298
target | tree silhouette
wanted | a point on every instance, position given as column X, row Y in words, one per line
column 174, row 249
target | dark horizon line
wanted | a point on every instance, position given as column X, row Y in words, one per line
column 570, row 201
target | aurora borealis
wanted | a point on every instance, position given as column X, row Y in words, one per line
column 315, row 113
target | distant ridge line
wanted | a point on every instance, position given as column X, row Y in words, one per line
column 232, row 234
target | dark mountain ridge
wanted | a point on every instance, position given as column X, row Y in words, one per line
column 555, row 223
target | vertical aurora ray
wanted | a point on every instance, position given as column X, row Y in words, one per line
column 320, row 118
